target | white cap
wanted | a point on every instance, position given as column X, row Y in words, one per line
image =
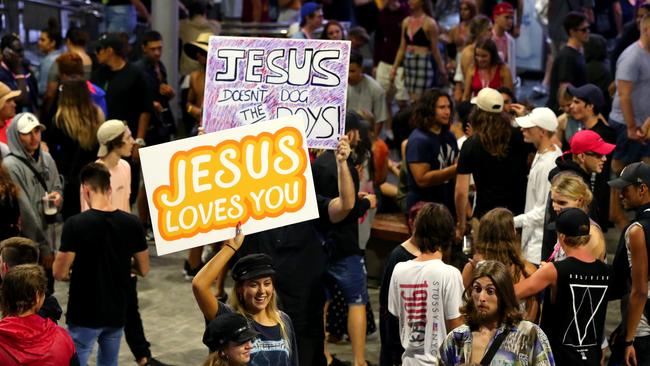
column 109, row 131
column 541, row 117
column 489, row 100
column 26, row 122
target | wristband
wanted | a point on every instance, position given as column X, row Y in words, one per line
column 628, row 343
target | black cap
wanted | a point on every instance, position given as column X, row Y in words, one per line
column 112, row 40
column 572, row 222
column 634, row 173
column 352, row 121
column 253, row 266
column 589, row 93
column 225, row 328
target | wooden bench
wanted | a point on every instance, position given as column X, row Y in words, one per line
column 390, row 227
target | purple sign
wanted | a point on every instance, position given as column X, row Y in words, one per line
column 250, row 80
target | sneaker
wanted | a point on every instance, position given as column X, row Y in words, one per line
column 337, row 362
column 188, row 272
column 539, row 91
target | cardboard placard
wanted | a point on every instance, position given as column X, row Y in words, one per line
column 249, row 80
column 199, row 188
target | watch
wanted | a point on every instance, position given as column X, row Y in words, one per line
column 628, row 343
column 140, row 141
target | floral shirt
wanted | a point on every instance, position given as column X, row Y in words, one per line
column 525, row 345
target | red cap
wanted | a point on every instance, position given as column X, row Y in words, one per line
column 502, row 8
column 589, row 141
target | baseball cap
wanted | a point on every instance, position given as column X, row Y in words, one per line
column 489, row 100
column 632, row 174
column 112, row 40
column 253, row 266
column 502, row 8
column 352, row 121
column 359, row 32
column 589, row 141
column 6, row 93
column 200, row 45
column 308, row 8
column 225, row 328
column 108, row 131
column 540, row 117
column 589, row 93
column 26, row 122
column 572, row 222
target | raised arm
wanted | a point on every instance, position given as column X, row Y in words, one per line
column 341, row 206
column 202, row 282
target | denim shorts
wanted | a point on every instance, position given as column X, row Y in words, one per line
column 628, row 151
column 350, row 276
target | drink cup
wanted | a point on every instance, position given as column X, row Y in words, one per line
column 49, row 208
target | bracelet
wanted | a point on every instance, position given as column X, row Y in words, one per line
column 189, row 108
column 230, row 246
column 628, row 343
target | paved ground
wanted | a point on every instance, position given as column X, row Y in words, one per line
column 174, row 325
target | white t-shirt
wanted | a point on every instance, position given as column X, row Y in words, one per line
column 423, row 294
column 643, row 329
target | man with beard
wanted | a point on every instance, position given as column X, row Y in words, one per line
column 494, row 332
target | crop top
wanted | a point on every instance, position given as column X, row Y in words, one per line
column 418, row 39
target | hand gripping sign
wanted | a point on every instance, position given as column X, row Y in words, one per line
column 199, row 188
column 249, row 80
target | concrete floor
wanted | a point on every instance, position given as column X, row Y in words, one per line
column 174, row 324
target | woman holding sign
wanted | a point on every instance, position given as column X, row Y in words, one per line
column 423, row 64
column 254, row 297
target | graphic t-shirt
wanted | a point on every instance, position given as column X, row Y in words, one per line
column 575, row 320
column 439, row 151
column 423, row 294
column 269, row 348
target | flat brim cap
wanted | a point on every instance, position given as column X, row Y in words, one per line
column 634, row 173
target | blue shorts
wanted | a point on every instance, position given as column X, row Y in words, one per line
column 350, row 276
column 628, row 151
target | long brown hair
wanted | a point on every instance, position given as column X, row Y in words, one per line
column 77, row 115
column 508, row 310
column 8, row 188
column 497, row 241
column 494, row 131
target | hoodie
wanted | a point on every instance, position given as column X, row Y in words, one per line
column 32, row 340
column 34, row 223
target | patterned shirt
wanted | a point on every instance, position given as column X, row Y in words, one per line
column 525, row 345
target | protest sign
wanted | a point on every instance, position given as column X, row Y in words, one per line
column 249, row 80
column 199, row 188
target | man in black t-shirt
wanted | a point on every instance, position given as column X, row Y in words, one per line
column 346, row 265
column 496, row 155
column 574, row 315
column 569, row 65
column 127, row 96
column 98, row 245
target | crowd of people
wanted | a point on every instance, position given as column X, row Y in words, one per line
column 506, row 203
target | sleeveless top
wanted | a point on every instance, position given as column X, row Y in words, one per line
column 575, row 322
column 477, row 84
column 418, row 39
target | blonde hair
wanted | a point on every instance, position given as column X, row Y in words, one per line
column 77, row 115
column 215, row 359
column 572, row 186
column 271, row 310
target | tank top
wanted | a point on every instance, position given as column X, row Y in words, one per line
column 419, row 38
column 477, row 83
column 575, row 322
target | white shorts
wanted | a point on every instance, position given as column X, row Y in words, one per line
column 383, row 78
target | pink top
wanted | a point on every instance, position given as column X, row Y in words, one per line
column 120, row 187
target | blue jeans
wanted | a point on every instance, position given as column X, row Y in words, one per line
column 108, row 339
